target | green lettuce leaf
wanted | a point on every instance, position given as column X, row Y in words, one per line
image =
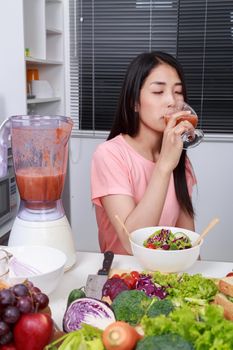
column 187, row 286
column 206, row 330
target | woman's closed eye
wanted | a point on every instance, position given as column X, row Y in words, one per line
column 157, row 92
column 161, row 92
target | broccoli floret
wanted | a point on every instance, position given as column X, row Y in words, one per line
column 160, row 307
column 130, row 306
column 164, row 342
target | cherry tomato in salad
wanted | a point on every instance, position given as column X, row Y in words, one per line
column 230, row 274
column 124, row 274
column 135, row 275
column 129, row 281
column 150, row 246
column 130, row 278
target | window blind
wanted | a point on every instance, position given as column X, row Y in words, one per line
column 205, row 49
column 105, row 35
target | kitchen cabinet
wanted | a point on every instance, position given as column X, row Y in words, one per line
column 12, row 63
column 44, row 51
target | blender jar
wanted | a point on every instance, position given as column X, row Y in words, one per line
column 40, row 153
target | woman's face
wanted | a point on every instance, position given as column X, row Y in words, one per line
column 161, row 89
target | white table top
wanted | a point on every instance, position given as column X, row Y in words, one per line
column 89, row 263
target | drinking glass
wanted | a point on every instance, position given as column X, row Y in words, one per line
column 190, row 138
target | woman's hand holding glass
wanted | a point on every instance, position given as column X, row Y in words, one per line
column 192, row 137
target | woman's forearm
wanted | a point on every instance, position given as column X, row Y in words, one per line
column 148, row 211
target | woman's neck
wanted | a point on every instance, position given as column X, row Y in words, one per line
column 148, row 146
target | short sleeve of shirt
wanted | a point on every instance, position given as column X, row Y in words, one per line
column 109, row 172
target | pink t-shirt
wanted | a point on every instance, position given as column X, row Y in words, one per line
column 118, row 169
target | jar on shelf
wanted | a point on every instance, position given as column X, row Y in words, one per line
column 32, row 74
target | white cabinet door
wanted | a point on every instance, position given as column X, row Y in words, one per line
column 12, row 65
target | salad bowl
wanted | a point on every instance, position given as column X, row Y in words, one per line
column 164, row 260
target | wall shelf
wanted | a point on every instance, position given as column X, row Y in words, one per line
column 32, row 60
column 44, row 39
column 42, row 100
column 53, row 31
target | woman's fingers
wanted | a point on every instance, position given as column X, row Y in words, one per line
column 183, row 127
column 178, row 129
column 172, row 140
column 170, row 121
column 173, row 119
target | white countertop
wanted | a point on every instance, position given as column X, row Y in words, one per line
column 89, row 263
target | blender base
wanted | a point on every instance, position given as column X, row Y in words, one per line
column 56, row 234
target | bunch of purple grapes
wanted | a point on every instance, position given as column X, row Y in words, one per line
column 19, row 299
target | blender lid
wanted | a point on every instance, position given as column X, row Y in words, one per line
column 37, row 120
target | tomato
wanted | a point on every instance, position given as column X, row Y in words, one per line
column 230, row 274
column 33, row 331
column 150, row 246
column 124, row 274
column 135, row 275
column 130, row 281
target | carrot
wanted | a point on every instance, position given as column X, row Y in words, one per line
column 120, row 335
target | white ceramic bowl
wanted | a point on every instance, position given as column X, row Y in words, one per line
column 163, row 260
column 47, row 261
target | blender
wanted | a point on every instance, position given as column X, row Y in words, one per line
column 40, row 153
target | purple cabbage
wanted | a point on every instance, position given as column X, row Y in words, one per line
column 113, row 286
column 146, row 284
column 87, row 310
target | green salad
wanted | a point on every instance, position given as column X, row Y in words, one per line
column 166, row 240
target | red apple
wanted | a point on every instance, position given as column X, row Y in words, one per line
column 33, row 331
column 9, row 346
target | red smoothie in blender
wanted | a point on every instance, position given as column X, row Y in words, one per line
column 39, row 187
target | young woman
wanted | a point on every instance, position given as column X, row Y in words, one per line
column 141, row 173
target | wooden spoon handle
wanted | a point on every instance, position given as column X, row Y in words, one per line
column 122, row 225
column 206, row 230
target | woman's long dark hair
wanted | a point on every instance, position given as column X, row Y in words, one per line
column 127, row 121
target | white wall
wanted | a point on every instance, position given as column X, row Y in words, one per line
column 12, row 82
column 82, row 214
column 213, row 165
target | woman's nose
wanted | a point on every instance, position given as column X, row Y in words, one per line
column 172, row 100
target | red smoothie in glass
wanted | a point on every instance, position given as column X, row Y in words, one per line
column 192, row 118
